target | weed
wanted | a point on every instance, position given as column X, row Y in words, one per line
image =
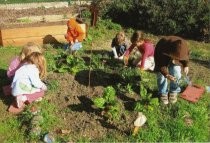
column 53, row 85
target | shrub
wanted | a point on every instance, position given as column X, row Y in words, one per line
column 179, row 17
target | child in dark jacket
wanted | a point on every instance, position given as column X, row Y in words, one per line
column 171, row 53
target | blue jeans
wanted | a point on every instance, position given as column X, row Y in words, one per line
column 120, row 50
column 162, row 82
column 76, row 46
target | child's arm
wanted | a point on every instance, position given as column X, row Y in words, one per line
column 14, row 65
column 68, row 37
column 129, row 50
column 115, row 52
column 35, row 79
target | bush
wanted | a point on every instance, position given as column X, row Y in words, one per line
column 188, row 18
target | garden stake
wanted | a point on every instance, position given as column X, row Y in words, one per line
column 141, row 119
column 91, row 54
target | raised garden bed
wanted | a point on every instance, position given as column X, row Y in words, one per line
column 40, row 25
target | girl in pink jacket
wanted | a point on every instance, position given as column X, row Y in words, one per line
column 146, row 49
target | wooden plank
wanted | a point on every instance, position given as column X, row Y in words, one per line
column 33, row 31
column 49, row 39
column 41, row 35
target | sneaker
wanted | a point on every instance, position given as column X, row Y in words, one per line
column 172, row 98
column 39, row 99
column 13, row 108
column 19, row 101
column 164, row 99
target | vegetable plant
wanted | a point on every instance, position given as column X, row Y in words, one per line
column 146, row 103
column 109, row 104
column 69, row 63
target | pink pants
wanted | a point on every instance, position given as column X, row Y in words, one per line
column 30, row 97
column 34, row 96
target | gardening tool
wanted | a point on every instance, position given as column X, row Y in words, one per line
column 140, row 121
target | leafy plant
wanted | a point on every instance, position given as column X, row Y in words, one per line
column 129, row 88
column 69, row 63
column 108, row 103
column 146, row 103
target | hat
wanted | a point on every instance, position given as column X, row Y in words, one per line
column 177, row 48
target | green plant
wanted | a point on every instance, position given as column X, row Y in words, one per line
column 146, row 103
column 108, row 103
column 129, row 89
column 53, row 85
column 129, row 75
column 69, row 63
column 150, row 14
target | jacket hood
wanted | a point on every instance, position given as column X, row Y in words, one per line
column 72, row 23
column 178, row 48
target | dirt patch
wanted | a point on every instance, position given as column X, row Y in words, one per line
column 75, row 107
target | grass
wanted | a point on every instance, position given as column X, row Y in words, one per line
column 182, row 122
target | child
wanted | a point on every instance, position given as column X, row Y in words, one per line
column 119, row 45
column 171, row 53
column 29, row 48
column 26, row 84
column 146, row 49
column 75, row 35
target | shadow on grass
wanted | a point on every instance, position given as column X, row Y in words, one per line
column 49, row 39
column 7, row 100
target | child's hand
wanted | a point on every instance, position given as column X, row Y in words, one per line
column 170, row 77
column 76, row 41
column 44, row 87
column 126, row 60
column 186, row 70
column 71, row 42
column 120, row 58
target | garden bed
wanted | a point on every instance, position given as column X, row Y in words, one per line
column 40, row 25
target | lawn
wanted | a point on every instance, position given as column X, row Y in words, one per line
column 74, row 82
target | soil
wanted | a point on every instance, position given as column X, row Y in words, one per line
column 73, row 96
column 76, row 109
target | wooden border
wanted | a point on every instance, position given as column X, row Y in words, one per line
column 40, row 35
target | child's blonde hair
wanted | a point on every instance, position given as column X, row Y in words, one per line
column 29, row 48
column 120, row 38
column 39, row 60
column 137, row 36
